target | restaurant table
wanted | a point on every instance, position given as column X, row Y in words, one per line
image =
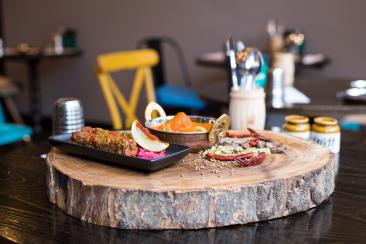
column 27, row 216
column 33, row 61
column 321, row 91
column 217, row 60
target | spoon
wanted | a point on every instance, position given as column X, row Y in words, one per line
column 249, row 63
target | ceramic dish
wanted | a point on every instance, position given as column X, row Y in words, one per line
column 195, row 140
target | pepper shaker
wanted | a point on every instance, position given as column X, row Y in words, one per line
column 275, row 88
column 68, row 116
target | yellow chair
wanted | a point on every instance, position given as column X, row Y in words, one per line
column 142, row 61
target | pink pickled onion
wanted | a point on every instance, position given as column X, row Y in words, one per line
column 146, row 154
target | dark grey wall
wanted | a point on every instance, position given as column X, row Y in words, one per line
column 335, row 27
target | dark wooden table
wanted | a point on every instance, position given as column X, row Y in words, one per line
column 26, row 216
column 217, row 60
column 321, row 91
column 33, row 60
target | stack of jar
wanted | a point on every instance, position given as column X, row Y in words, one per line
column 324, row 131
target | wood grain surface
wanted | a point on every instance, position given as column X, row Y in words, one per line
column 26, row 216
column 179, row 197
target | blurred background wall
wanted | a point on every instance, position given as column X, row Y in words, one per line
column 334, row 27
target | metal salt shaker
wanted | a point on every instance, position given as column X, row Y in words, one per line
column 68, row 116
column 275, row 93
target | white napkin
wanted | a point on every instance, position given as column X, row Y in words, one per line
column 292, row 95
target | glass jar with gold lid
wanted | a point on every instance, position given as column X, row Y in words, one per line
column 325, row 131
column 297, row 125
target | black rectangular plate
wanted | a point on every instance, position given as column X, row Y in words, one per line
column 174, row 153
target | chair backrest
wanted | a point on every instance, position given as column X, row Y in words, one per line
column 141, row 60
column 156, row 43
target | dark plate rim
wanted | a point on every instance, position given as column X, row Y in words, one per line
column 151, row 161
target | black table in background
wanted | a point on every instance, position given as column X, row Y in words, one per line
column 33, row 60
column 26, row 216
column 217, row 60
column 322, row 92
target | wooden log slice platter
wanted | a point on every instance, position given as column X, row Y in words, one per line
column 191, row 194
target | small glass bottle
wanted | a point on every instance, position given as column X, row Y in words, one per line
column 298, row 126
column 326, row 132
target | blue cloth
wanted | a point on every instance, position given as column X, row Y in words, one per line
column 179, row 96
column 352, row 126
column 2, row 115
column 10, row 133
